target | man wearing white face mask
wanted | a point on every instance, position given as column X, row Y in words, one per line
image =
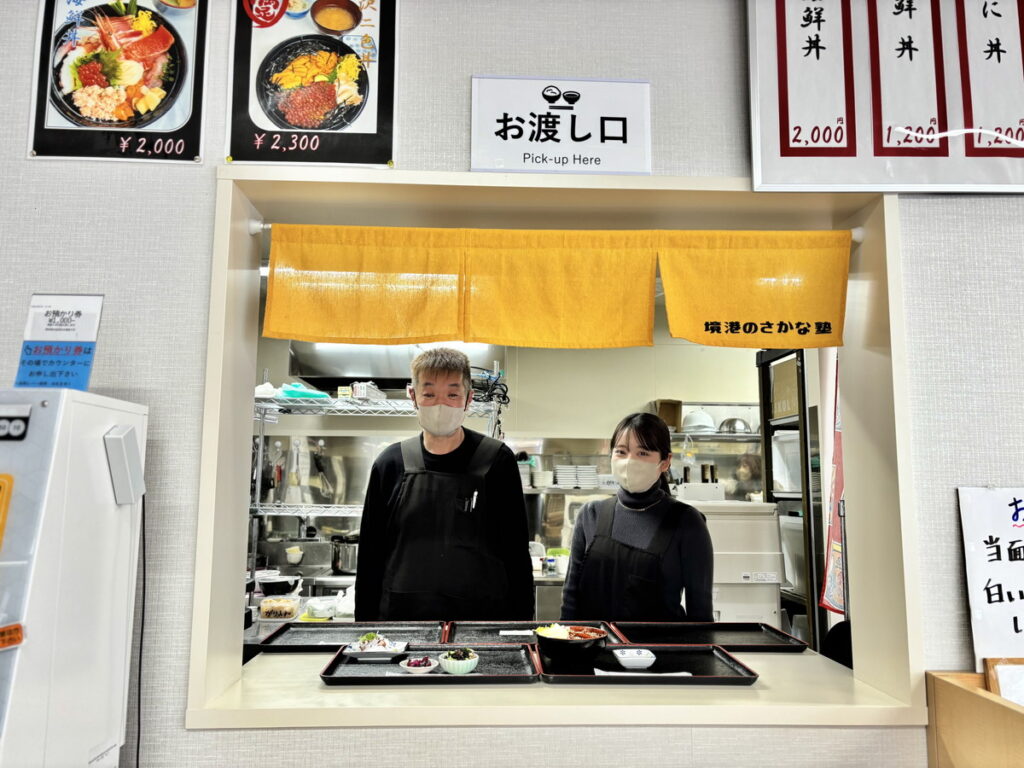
column 635, row 557
column 444, row 532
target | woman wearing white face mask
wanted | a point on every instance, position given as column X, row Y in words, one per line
column 637, row 556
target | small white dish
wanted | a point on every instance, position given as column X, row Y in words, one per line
column 634, row 658
column 375, row 654
column 404, row 664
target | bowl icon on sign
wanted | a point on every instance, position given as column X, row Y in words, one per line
column 571, row 97
column 551, row 94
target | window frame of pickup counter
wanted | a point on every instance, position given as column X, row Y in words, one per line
column 882, row 562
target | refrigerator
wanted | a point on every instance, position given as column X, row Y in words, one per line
column 71, row 492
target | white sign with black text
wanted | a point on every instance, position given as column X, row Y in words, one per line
column 64, row 317
column 543, row 125
column 993, row 527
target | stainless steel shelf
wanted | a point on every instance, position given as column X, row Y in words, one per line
column 723, row 437
column 347, row 406
column 787, row 495
column 307, row 510
column 568, row 491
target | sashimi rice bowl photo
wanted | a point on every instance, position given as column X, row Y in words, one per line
column 121, row 65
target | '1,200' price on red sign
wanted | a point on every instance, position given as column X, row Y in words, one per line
column 1009, row 135
column 286, row 143
column 819, row 135
column 141, row 145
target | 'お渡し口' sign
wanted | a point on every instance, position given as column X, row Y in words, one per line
column 542, row 125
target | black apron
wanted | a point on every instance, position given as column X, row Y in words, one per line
column 619, row 582
column 441, row 566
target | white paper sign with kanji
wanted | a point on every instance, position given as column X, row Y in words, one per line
column 887, row 95
column 993, row 527
column 543, row 125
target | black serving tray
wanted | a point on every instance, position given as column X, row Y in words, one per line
column 708, row 665
column 489, row 632
column 328, row 637
column 498, row 664
column 736, row 637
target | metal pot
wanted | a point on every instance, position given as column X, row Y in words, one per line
column 734, row 426
column 345, row 553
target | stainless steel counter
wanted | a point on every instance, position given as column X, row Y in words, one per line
column 321, row 578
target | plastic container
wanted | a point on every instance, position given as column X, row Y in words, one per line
column 279, row 608
column 320, row 607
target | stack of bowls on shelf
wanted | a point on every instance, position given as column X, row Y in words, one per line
column 586, row 475
column 565, row 476
column 524, row 473
column 543, row 478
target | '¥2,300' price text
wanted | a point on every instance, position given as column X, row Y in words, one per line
column 286, row 142
column 147, row 146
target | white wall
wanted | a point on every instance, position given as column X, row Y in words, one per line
column 583, row 393
column 142, row 234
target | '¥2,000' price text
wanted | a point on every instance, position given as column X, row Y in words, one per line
column 147, row 146
column 287, row 142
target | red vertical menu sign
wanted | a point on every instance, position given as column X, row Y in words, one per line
column 908, row 93
column 815, row 63
column 991, row 44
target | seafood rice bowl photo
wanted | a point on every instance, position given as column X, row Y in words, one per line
column 312, row 82
column 121, row 65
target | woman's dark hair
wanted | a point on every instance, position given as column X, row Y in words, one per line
column 753, row 462
column 651, row 433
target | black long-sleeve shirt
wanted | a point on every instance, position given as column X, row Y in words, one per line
column 687, row 567
column 507, row 533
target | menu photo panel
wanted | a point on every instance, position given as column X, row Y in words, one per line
column 313, row 82
column 120, row 80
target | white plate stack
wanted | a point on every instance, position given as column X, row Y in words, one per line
column 524, row 473
column 586, row 476
column 565, row 476
column 543, row 478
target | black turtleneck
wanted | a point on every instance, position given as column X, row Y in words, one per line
column 687, row 567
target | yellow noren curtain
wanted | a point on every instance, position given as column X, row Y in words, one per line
column 756, row 289
column 561, row 289
column 364, row 285
column 399, row 285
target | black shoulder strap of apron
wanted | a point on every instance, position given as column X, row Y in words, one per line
column 605, row 516
column 666, row 531
column 412, row 455
column 484, row 456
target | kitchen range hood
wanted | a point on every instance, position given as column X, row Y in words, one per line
column 329, row 366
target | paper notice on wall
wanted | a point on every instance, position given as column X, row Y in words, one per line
column 60, row 341
column 992, row 520
column 74, row 317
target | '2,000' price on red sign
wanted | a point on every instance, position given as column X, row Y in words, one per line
column 818, row 135
column 291, row 141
